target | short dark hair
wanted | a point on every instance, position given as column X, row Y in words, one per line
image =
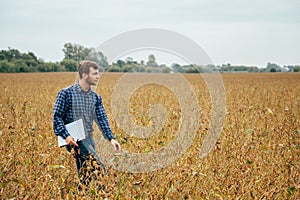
column 84, row 67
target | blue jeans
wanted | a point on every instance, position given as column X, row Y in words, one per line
column 89, row 144
column 82, row 151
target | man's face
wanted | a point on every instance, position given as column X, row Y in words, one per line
column 93, row 77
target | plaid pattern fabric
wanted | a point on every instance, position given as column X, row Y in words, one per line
column 73, row 103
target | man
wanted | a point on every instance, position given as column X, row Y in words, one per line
column 79, row 101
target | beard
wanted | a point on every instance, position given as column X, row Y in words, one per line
column 88, row 80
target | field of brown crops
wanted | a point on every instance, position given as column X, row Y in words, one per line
column 257, row 155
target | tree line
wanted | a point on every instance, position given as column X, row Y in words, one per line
column 12, row 60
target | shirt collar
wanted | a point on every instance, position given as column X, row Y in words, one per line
column 80, row 90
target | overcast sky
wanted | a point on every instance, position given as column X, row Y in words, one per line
column 248, row 32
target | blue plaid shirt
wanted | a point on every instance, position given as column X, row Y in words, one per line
column 73, row 103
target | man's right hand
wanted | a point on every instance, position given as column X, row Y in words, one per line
column 71, row 141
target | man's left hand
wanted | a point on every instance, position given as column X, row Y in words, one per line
column 115, row 144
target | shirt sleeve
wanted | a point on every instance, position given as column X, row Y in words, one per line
column 57, row 115
column 102, row 120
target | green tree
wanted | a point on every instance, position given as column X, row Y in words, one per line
column 273, row 66
column 20, row 66
column 10, row 54
column 166, row 70
column 133, row 68
column 32, row 63
column 5, row 66
column 114, row 68
column 139, row 68
column 129, row 60
column 191, row 70
column 70, row 65
column 127, row 68
column 97, row 57
column 51, row 67
column 19, row 62
column 120, row 63
column 151, row 61
column 177, row 68
column 75, row 51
